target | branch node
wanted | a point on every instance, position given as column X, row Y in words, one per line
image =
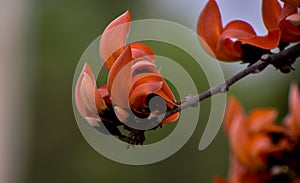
column 224, row 88
column 191, row 100
column 265, row 58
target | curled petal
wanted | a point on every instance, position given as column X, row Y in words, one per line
column 87, row 98
column 270, row 41
column 120, row 79
column 294, row 19
column 233, row 110
column 243, row 32
column 228, row 48
column 93, row 99
column 289, row 31
column 271, row 11
column 140, row 50
column 143, row 66
column 210, row 27
column 238, row 29
column 103, row 92
column 113, row 39
column 277, row 20
column 146, row 84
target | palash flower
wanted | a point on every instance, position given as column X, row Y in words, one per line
column 262, row 152
column 133, row 77
column 255, row 136
column 132, row 80
column 238, row 40
column 226, row 43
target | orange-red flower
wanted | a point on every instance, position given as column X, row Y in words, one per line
column 255, row 136
column 261, row 151
column 238, row 40
column 132, row 81
column 89, row 100
column 225, row 43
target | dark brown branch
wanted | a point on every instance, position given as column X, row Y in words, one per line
column 280, row 60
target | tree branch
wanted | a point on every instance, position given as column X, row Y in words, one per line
column 281, row 60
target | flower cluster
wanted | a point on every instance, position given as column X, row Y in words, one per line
column 262, row 150
column 238, row 40
column 132, row 81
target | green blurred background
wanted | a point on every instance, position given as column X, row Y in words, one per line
column 53, row 149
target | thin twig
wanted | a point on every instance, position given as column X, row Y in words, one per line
column 285, row 57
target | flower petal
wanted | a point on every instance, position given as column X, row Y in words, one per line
column 270, row 41
column 114, row 39
column 103, row 92
column 260, row 118
column 233, row 110
column 294, row 19
column 251, row 138
column 87, row 98
column 141, row 50
column 209, row 27
column 289, row 31
column 242, row 31
column 120, row 79
column 146, row 84
column 143, row 66
column 270, row 12
column 151, row 83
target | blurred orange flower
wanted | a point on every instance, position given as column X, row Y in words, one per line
column 255, row 136
column 261, row 151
